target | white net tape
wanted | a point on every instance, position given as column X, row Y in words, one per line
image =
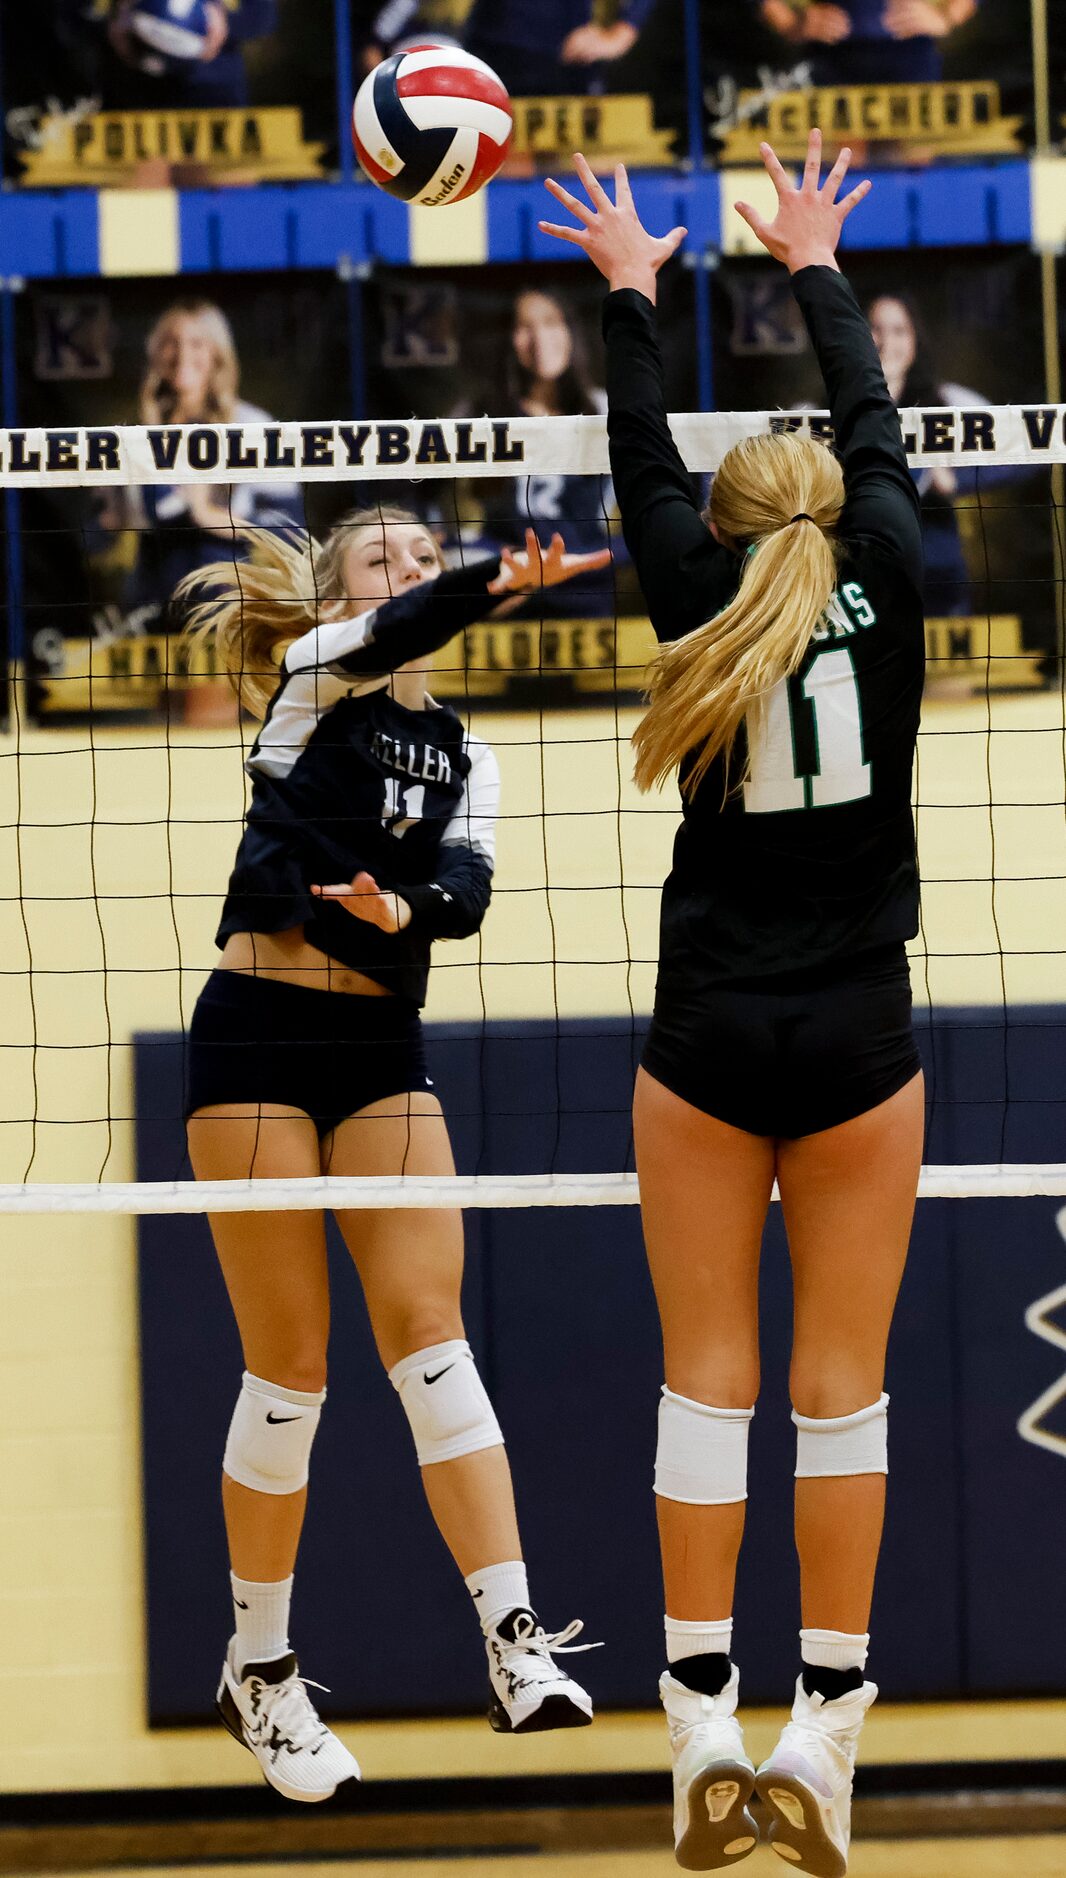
column 1027, row 436
column 485, row 1192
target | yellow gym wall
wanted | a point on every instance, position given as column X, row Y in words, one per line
column 132, row 819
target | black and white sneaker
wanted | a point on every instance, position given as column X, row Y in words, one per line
column 271, row 1714
column 528, row 1691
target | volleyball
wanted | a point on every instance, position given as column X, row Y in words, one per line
column 432, row 125
column 176, row 29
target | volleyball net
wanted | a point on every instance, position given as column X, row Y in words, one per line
column 123, row 793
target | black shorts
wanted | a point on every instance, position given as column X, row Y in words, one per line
column 329, row 1053
column 789, row 1056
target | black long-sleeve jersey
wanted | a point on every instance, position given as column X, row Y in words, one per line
column 813, row 857
column 344, row 778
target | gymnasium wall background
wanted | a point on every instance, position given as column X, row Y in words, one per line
column 71, row 1542
column 164, row 798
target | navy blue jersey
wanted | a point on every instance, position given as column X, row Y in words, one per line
column 514, row 24
column 344, row 778
column 812, row 857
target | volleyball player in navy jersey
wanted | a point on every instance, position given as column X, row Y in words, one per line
column 786, row 695
column 370, row 835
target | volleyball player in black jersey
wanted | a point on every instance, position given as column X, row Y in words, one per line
column 370, row 834
column 786, row 694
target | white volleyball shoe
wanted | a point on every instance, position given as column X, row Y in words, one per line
column 806, row 1783
column 268, row 1710
column 528, row 1691
column 713, row 1776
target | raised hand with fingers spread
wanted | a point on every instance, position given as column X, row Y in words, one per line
column 612, row 233
column 806, row 229
column 525, row 570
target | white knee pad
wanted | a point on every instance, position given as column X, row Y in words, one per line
column 702, row 1455
column 270, row 1436
column 844, row 1444
column 445, row 1402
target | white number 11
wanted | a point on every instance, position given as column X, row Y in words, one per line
column 773, row 784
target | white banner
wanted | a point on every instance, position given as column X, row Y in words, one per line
column 513, row 446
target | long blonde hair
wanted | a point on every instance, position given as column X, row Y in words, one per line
column 254, row 609
column 157, row 401
column 701, row 686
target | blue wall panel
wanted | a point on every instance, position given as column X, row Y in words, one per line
column 307, row 225
column 49, row 233
column 560, row 1309
column 960, row 205
column 313, row 225
column 664, row 199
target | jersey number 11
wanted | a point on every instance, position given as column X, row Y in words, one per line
column 831, row 687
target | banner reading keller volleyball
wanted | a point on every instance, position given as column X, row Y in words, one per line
column 1023, row 435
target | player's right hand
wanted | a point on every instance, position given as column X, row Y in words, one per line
column 536, row 567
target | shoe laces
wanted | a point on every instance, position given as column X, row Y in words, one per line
column 531, row 1640
column 285, row 1714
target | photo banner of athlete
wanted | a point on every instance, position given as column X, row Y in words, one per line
column 99, row 563
column 987, row 511
column 506, row 432
column 608, row 79
column 88, row 100
column 901, row 81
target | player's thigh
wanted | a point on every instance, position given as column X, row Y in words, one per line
column 274, row 1263
column 705, row 1187
column 848, row 1196
column 410, row 1262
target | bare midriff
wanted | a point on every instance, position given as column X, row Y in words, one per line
column 287, row 956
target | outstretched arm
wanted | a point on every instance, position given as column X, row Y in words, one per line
column 422, row 619
column 684, row 575
column 881, row 499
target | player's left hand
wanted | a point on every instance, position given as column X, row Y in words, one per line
column 806, row 229
column 217, row 33
column 612, row 233
column 364, row 899
column 535, row 567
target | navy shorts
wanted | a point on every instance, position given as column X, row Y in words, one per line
column 790, row 1056
column 330, row 1053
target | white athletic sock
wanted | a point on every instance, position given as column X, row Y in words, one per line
column 262, row 1618
column 497, row 1589
column 685, row 1637
column 834, row 1649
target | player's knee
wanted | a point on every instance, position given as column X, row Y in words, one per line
column 445, row 1402
column 702, row 1452
column 268, row 1448
column 293, row 1365
column 418, row 1326
column 837, row 1446
column 726, row 1377
column 826, row 1386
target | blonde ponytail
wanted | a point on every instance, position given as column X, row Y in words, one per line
column 256, row 608
column 782, row 495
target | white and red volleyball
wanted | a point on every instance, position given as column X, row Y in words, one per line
column 432, row 125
